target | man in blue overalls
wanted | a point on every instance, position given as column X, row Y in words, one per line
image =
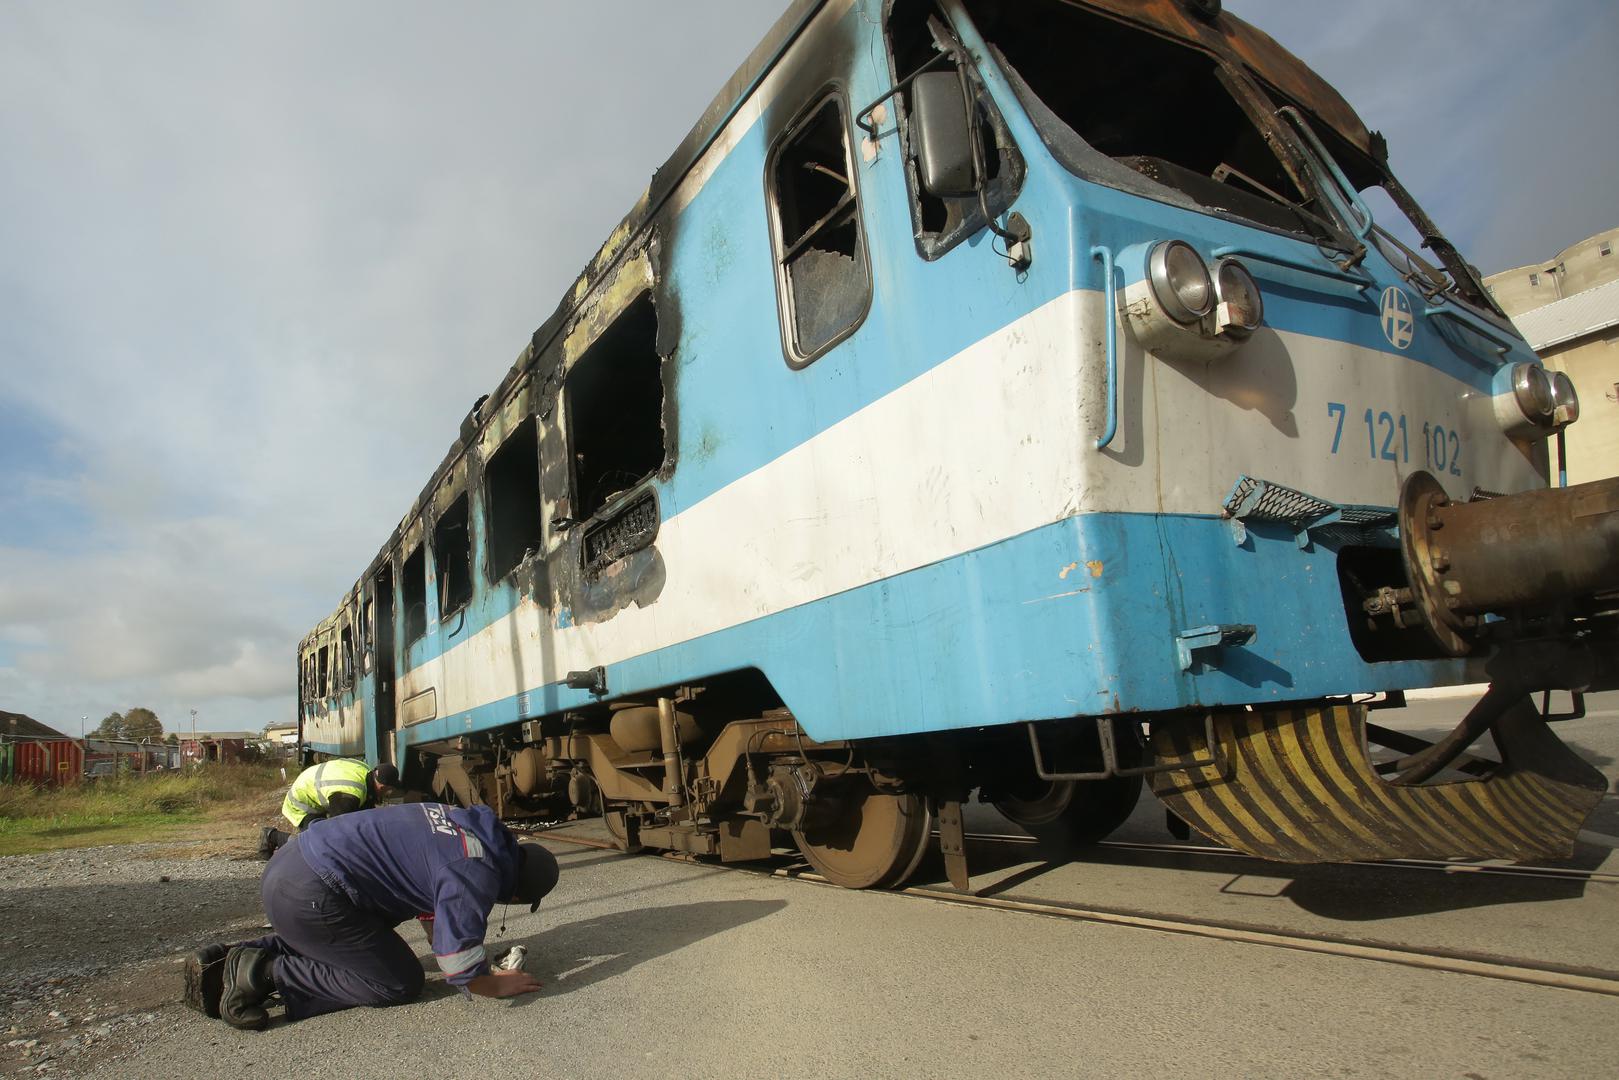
column 334, row 895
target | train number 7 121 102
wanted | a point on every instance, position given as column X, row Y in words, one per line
column 1388, row 438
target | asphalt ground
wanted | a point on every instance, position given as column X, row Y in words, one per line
column 658, row 968
column 661, row 969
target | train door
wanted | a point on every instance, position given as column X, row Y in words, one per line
column 382, row 627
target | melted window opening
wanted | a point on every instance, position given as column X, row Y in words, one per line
column 452, row 555
column 1150, row 104
column 413, row 593
column 512, row 490
column 615, row 408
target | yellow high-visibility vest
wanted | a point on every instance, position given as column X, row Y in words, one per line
column 318, row 783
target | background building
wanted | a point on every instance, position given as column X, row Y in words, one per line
column 1568, row 310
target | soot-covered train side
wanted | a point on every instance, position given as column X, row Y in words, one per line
column 1036, row 400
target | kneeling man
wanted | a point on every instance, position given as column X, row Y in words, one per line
column 334, row 894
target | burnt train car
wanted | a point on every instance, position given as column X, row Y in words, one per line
column 1032, row 399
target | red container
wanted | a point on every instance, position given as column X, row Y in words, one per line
column 49, row 761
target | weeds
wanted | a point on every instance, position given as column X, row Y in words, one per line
column 123, row 810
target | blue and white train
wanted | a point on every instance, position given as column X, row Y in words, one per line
column 1033, row 399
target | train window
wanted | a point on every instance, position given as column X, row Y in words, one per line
column 325, row 672
column 511, row 481
column 452, row 554
column 345, row 677
column 615, row 408
column 914, row 38
column 1079, row 74
column 823, row 281
column 413, row 593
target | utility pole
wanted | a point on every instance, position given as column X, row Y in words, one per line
column 195, row 747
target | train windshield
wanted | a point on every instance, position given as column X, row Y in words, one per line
column 1125, row 107
column 1132, row 110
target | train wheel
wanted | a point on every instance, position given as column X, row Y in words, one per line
column 1073, row 812
column 873, row 841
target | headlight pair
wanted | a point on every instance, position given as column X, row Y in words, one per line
column 1189, row 293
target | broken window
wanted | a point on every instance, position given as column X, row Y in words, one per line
column 1132, row 110
column 615, row 408
column 452, row 555
column 325, row 671
column 823, row 279
column 512, row 499
column 942, row 222
column 345, row 675
column 413, row 593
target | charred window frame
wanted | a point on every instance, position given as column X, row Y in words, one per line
column 368, row 614
column 511, row 484
column 615, row 409
column 823, row 270
column 1400, row 229
column 323, row 672
column 1152, row 116
column 345, row 678
column 452, row 557
column 916, row 36
column 413, row 594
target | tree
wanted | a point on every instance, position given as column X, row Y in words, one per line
column 110, row 728
column 172, row 739
column 142, row 723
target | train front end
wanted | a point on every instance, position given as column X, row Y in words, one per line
column 1314, row 460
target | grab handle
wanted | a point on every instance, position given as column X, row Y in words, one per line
column 1111, row 300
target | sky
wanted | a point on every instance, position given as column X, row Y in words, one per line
column 258, row 259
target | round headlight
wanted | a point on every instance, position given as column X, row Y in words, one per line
column 1565, row 402
column 1180, row 282
column 1238, row 294
column 1533, row 391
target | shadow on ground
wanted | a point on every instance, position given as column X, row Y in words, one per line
column 577, row 954
column 1346, row 893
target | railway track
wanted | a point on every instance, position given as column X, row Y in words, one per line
column 1454, row 961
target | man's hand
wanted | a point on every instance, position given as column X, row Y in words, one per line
column 504, row 984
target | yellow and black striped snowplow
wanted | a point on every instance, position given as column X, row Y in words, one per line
column 1301, row 785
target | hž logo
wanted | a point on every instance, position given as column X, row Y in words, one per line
column 440, row 823
column 1399, row 324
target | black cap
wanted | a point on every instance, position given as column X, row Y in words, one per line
column 385, row 775
column 536, row 873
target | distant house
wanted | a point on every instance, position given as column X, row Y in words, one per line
column 37, row 753
column 218, row 746
column 282, row 736
column 17, row 726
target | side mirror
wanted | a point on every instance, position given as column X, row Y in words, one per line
column 942, row 135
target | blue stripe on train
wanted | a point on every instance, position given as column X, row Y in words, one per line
column 1001, row 635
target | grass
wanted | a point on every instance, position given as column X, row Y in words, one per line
column 130, row 810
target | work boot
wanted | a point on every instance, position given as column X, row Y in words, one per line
column 270, row 841
column 247, row 985
column 205, row 979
